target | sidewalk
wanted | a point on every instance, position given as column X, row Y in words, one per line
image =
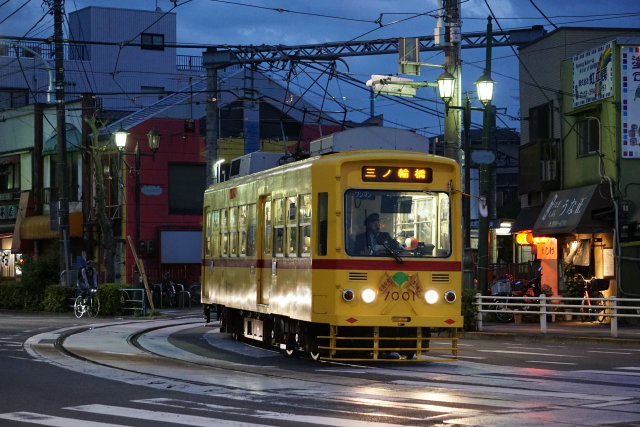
column 561, row 331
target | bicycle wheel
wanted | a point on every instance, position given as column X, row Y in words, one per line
column 503, row 315
column 93, row 306
column 593, row 308
column 78, row 307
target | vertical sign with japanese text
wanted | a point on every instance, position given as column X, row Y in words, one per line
column 593, row 74
column 630, row 98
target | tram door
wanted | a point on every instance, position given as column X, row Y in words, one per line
column 265, row 252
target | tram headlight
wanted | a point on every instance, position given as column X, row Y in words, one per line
column 450, row 296
column 368, row 295
column 348, row 295
column 431, row 296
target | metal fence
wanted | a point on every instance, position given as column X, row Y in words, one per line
column 605, row 309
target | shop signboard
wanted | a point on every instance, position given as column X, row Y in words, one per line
column 630, row 99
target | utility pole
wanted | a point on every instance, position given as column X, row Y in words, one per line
column 61, row 140
column 451, row 19
column 485, row 180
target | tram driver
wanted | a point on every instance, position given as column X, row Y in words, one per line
column 373, row 240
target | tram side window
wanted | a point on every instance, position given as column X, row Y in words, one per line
column 305, row 225
column 215, row 234
column 278, row 227
column 267, row 228
column 292, row 226
column 321, row 219
column 252, row 229
column 233, row 231
column 224, row 233
column 208, row 231
column 242, row 230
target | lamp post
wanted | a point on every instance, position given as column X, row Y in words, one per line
column 153, row 140
column 484, row 88
column 485, row 94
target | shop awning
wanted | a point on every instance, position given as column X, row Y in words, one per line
column 39, row 227
column 526, row 219
column 576, row 210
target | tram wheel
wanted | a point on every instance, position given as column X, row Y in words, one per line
column 290, row 352
column 315, row 355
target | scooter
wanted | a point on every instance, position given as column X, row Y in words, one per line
column 530, row 290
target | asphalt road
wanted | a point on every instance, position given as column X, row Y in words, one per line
column 178, row 372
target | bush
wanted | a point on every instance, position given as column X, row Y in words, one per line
column 37, row 274
column 57, row 298
column 110, row 298
column 575, row 286
column 468, row 309
column 11, row 295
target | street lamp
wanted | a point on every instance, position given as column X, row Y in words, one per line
column 446, row 87
column 484, row 87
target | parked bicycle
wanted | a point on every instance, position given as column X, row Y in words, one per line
column 87, row 303
column 592, row 289
column 502, row 288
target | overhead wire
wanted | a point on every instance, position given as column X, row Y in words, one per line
column 295, row 12
column 15, row 11
column 533, row 3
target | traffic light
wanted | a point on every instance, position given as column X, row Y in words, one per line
column 142, row 247
column 150, row 247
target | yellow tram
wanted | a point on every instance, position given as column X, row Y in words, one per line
column 292, row 257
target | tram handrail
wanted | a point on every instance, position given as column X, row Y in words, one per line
column 555, row 305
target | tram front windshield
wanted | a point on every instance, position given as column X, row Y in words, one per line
column 383, row 223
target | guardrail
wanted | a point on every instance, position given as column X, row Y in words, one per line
column 544, row 306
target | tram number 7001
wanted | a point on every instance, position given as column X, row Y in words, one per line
column 402, row 295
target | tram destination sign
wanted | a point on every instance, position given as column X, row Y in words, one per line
column 396, row 174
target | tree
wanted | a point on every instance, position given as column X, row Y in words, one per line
column 97, row 149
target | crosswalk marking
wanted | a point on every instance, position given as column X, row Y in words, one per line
column 549, row 362
column 48, row 420
column 167, row 417
column 196, row 420
column 308, row 419
column 528, row 353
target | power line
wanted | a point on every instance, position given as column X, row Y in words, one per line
column 542, row 13
column 15, row 11
column 295, row 12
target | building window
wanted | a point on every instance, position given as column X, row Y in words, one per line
column 9, row 177
column 154, row 91
column 540, row 123
column 186, row 188
column 152, row 41
column 588, row 136
column 13, row 98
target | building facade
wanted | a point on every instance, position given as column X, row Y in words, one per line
column 579, row 193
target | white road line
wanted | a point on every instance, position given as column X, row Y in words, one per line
column 527, row 352
column 630, row 368
column 633, row 374
column 471, row 357
column 550, row 363
column 607, row 352
column 165, row 417
column 47, row 420
column 194, row 420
